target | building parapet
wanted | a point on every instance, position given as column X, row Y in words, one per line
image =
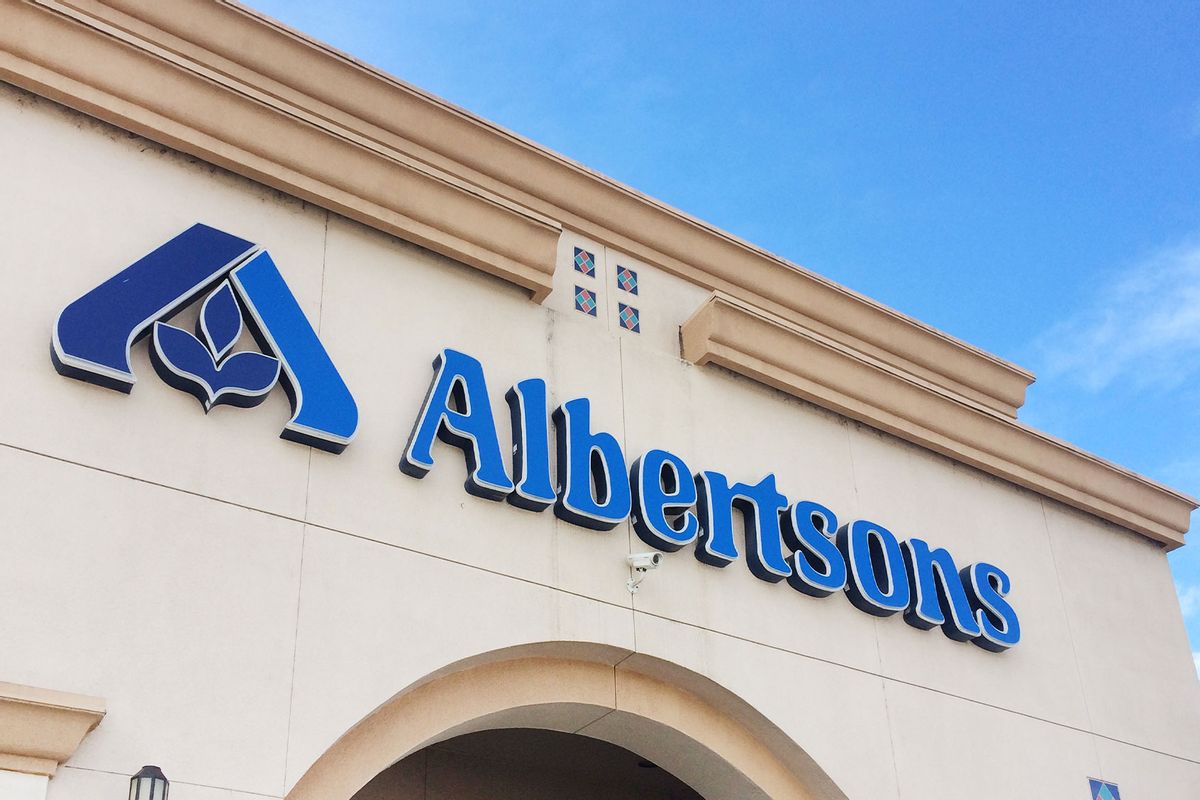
column 807, row 364
column 219, row 81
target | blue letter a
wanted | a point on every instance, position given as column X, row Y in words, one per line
column 458, row 412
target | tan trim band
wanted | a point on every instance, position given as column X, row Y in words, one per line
column 704, row 743
column 222, row 82
column 804, row 363
column 42, row 728
column 90, row 62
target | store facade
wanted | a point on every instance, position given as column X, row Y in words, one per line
column 354, row 447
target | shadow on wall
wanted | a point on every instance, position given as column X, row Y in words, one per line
column 525, row 764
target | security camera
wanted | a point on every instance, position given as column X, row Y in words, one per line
column 645, row 561
column 641, row 563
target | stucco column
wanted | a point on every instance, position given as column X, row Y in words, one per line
column 21, row 786
column 39, row 730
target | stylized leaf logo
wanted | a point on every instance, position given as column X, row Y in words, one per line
column 202, row 366
column 220, row 321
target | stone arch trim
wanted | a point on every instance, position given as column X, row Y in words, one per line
column 702, row 733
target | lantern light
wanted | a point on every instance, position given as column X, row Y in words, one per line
column 149, row 784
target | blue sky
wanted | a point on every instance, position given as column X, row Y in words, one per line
column 1024, row 176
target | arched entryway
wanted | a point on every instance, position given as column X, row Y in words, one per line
column 525, row 764
column 709, row 738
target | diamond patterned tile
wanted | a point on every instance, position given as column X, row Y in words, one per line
column 585, row 262
column 627, row 279
column 629, row 318
column 585, row 301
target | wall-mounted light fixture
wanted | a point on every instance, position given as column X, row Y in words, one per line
column 149, row 784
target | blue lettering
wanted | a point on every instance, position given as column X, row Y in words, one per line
column 760, row 505
column 938, row 596
column 585, row 458
column 818, row 568
column 877, row 583
column 669, row 508
column 528, row 409
column 458, row 412
column 662, row 494
column 987, row 586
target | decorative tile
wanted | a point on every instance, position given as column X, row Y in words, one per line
column 585, row 301
column 1103, row 790
column 629, row 317
column 585, row 262
column 627, row 279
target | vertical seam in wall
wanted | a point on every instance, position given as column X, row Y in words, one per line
column 287, row 747
column 602, row 285
column 324, row 260
column 625, row 451
column 887, row 715
column 1087, row 709
column 320, row 321
column 887, row 712
column 616, row 667
column 613, row 708
column 553, row 400
column 858, row 507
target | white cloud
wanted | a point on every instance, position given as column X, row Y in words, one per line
column 1143, row 327
column 1196, row 660
column 1189, row 599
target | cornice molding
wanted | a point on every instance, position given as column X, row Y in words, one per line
column 41, row 728
column 223, row 83
column 805, row 363
column 110, row 65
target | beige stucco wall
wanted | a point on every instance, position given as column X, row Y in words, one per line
column 241, row 602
